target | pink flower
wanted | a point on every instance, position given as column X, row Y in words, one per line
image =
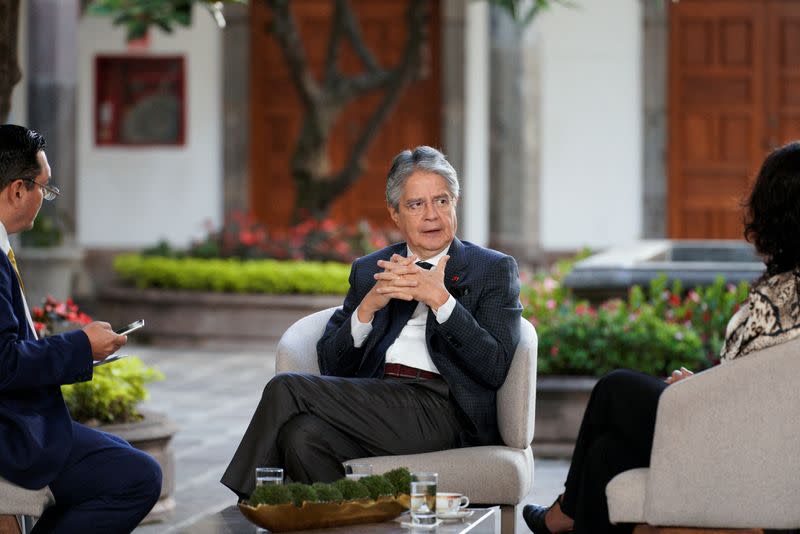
column 550, row 284
column 551, row 304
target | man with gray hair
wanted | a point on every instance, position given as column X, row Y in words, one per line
column 413, row 359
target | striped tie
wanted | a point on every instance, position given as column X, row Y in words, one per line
column 14, row 265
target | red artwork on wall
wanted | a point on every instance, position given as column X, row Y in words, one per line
column 140, row 100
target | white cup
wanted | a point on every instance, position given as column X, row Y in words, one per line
column 450, row 503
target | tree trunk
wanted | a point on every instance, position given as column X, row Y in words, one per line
column 318, row 185
column 9, row 66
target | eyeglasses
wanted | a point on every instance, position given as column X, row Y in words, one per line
column 50, row 192
column 418, row 207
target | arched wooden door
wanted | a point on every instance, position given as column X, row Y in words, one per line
column 276, row 111
column 734, row 94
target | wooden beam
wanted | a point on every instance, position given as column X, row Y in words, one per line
column 9, row 525
column 647, row 529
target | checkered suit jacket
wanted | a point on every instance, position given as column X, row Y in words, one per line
column 473, row 349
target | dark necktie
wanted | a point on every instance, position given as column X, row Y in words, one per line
column 400, row 311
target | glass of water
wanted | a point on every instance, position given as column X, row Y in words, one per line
column 357, row 471
column 269, row 476
column 423, row 498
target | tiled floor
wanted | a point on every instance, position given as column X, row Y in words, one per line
column 210, row 394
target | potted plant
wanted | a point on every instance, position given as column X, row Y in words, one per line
column 48, row 261
column 110, row 401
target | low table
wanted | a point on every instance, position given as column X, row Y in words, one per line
column 231, row 521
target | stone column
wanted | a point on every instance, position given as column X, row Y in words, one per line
column 51, row 73
column 476, row 124
column 654, row 72
column 453, row 58
column 236, row 108
column 515, row 97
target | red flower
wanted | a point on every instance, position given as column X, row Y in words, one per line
column 554, row 350
column 246, row 237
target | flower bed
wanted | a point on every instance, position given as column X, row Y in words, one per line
column 654, row 330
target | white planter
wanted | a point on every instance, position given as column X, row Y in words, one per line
column 48, row 271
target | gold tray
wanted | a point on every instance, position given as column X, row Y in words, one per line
column 288, row 517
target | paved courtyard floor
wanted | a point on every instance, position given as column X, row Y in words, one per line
column 210, row 394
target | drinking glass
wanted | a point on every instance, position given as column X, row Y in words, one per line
column 357, row 471
column 269, row 476
column 423, row 498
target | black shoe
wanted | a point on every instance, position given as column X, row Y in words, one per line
column 533, row 514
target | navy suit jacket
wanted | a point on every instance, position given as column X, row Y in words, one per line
column 472, row 350
column 35, row 425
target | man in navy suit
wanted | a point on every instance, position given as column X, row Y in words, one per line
column 100, row 483
column 412, row 361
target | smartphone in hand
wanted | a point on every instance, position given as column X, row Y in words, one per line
column 125, row 330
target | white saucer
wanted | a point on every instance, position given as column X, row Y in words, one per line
column 415, row 526
column 461, row 514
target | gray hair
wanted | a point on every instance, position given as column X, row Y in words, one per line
column 422, row 158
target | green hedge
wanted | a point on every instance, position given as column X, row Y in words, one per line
column 235, row 276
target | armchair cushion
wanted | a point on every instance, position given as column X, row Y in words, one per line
column 488, row 475
column 15, row 500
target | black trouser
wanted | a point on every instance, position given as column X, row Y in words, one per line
column 310, row 424
column 616, row 435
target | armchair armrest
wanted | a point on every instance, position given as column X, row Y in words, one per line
column 297, row 348
column 725, row 446
column 516, row 398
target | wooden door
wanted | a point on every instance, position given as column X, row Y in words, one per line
column 783, row 73
column 276, row 110
column 716, row 113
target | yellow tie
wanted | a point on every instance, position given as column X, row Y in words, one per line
column 14, row 265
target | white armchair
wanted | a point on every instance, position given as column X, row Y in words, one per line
column 493, row 475
column 17, row 501
column 725, row 450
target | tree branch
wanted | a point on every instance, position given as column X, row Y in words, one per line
column 399, row 78
column 337, row 29
column 351, row 27
column 10, row 74
column 285, row 30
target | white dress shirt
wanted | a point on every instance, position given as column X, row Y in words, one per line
column 5, row 246
column 410, row 347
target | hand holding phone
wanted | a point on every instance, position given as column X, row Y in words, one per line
column 125, row 330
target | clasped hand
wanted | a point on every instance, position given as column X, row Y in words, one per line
column 402, row 279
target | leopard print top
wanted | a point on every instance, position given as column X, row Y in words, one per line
column 769, row 316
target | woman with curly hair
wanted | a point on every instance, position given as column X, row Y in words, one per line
column 617, row 429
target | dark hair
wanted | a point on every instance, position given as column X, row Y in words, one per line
column 18, row 149
column 772, row 218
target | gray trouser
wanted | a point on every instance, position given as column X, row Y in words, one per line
column 310, row 424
